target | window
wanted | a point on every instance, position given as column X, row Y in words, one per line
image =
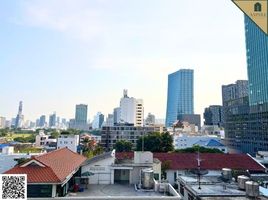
column 175, row 176
column 181, row 189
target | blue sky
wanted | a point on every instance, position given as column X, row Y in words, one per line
column 55, row 54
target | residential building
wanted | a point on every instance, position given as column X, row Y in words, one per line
column 180, row 96
column 52, row 120
column 69, row 141
column 111, row 134
column 20, row 117
column 2, row 122
column 46, row 176
column 131, row 110
column 10, row 159
column 184, row 141
column 213, row 115
column 150, row 119
column 117, row 115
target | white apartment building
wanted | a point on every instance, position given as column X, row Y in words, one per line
column 131, row 110
column 69, row 141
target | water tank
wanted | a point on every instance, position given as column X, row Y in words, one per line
column 227, row 174
column 252, row 189
column 147, row 178
column 242, row 181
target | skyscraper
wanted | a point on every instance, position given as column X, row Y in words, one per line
column 19, row 118
column 42, row 121
column 81, row 114
column 52, row 120
column 116, row 115
column 131, row 110
column 213, row 115
column 247, row 130
column 257, row 61
column 180, row 97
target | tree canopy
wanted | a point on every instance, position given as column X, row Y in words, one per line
column 123, row 146
column 197, row 148
column 156, row 142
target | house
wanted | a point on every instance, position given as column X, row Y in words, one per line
column 178, row 164
column 69, row 141
column 50, row 174
column 109, row 169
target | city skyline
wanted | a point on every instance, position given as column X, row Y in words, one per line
column 54, row 48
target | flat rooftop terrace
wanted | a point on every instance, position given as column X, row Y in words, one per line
column 117, row 191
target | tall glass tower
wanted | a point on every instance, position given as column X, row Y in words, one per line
column 257, row 62
column 180, row 97
column 81, row 114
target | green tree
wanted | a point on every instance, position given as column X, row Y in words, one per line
column 98, row 150
column 55, row 134
column 4, row 132
column 123, row 146
column 155, row 142
column 197, row 148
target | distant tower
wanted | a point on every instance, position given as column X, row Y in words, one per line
column 19, row 118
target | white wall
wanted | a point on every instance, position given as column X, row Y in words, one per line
column 103, row 174
column 69, row 141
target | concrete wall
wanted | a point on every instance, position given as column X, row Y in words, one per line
column 103, row 174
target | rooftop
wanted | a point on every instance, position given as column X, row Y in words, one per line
column 117, row 190
column 209, row 161
column 52, row 167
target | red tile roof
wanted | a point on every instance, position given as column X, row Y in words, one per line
column 59, row 164
column 209, row 161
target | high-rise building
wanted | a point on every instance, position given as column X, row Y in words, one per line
column 180, row 96
column 19, row 118
column 80, row 121
column 117, row 115
column 98, row 121
column 42, row 121
column 109, row 120
column 52, row 120
column 150, row 119
column 257, row 65
column 246, row 123
column 237, row 90
column 81, row 114
column 131, row 110
column 213, row 115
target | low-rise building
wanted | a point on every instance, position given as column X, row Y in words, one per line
column 183, row 141
column 109, row 168
column 50, row 174
column 69, row 141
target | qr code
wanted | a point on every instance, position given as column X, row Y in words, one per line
column 13, row 186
